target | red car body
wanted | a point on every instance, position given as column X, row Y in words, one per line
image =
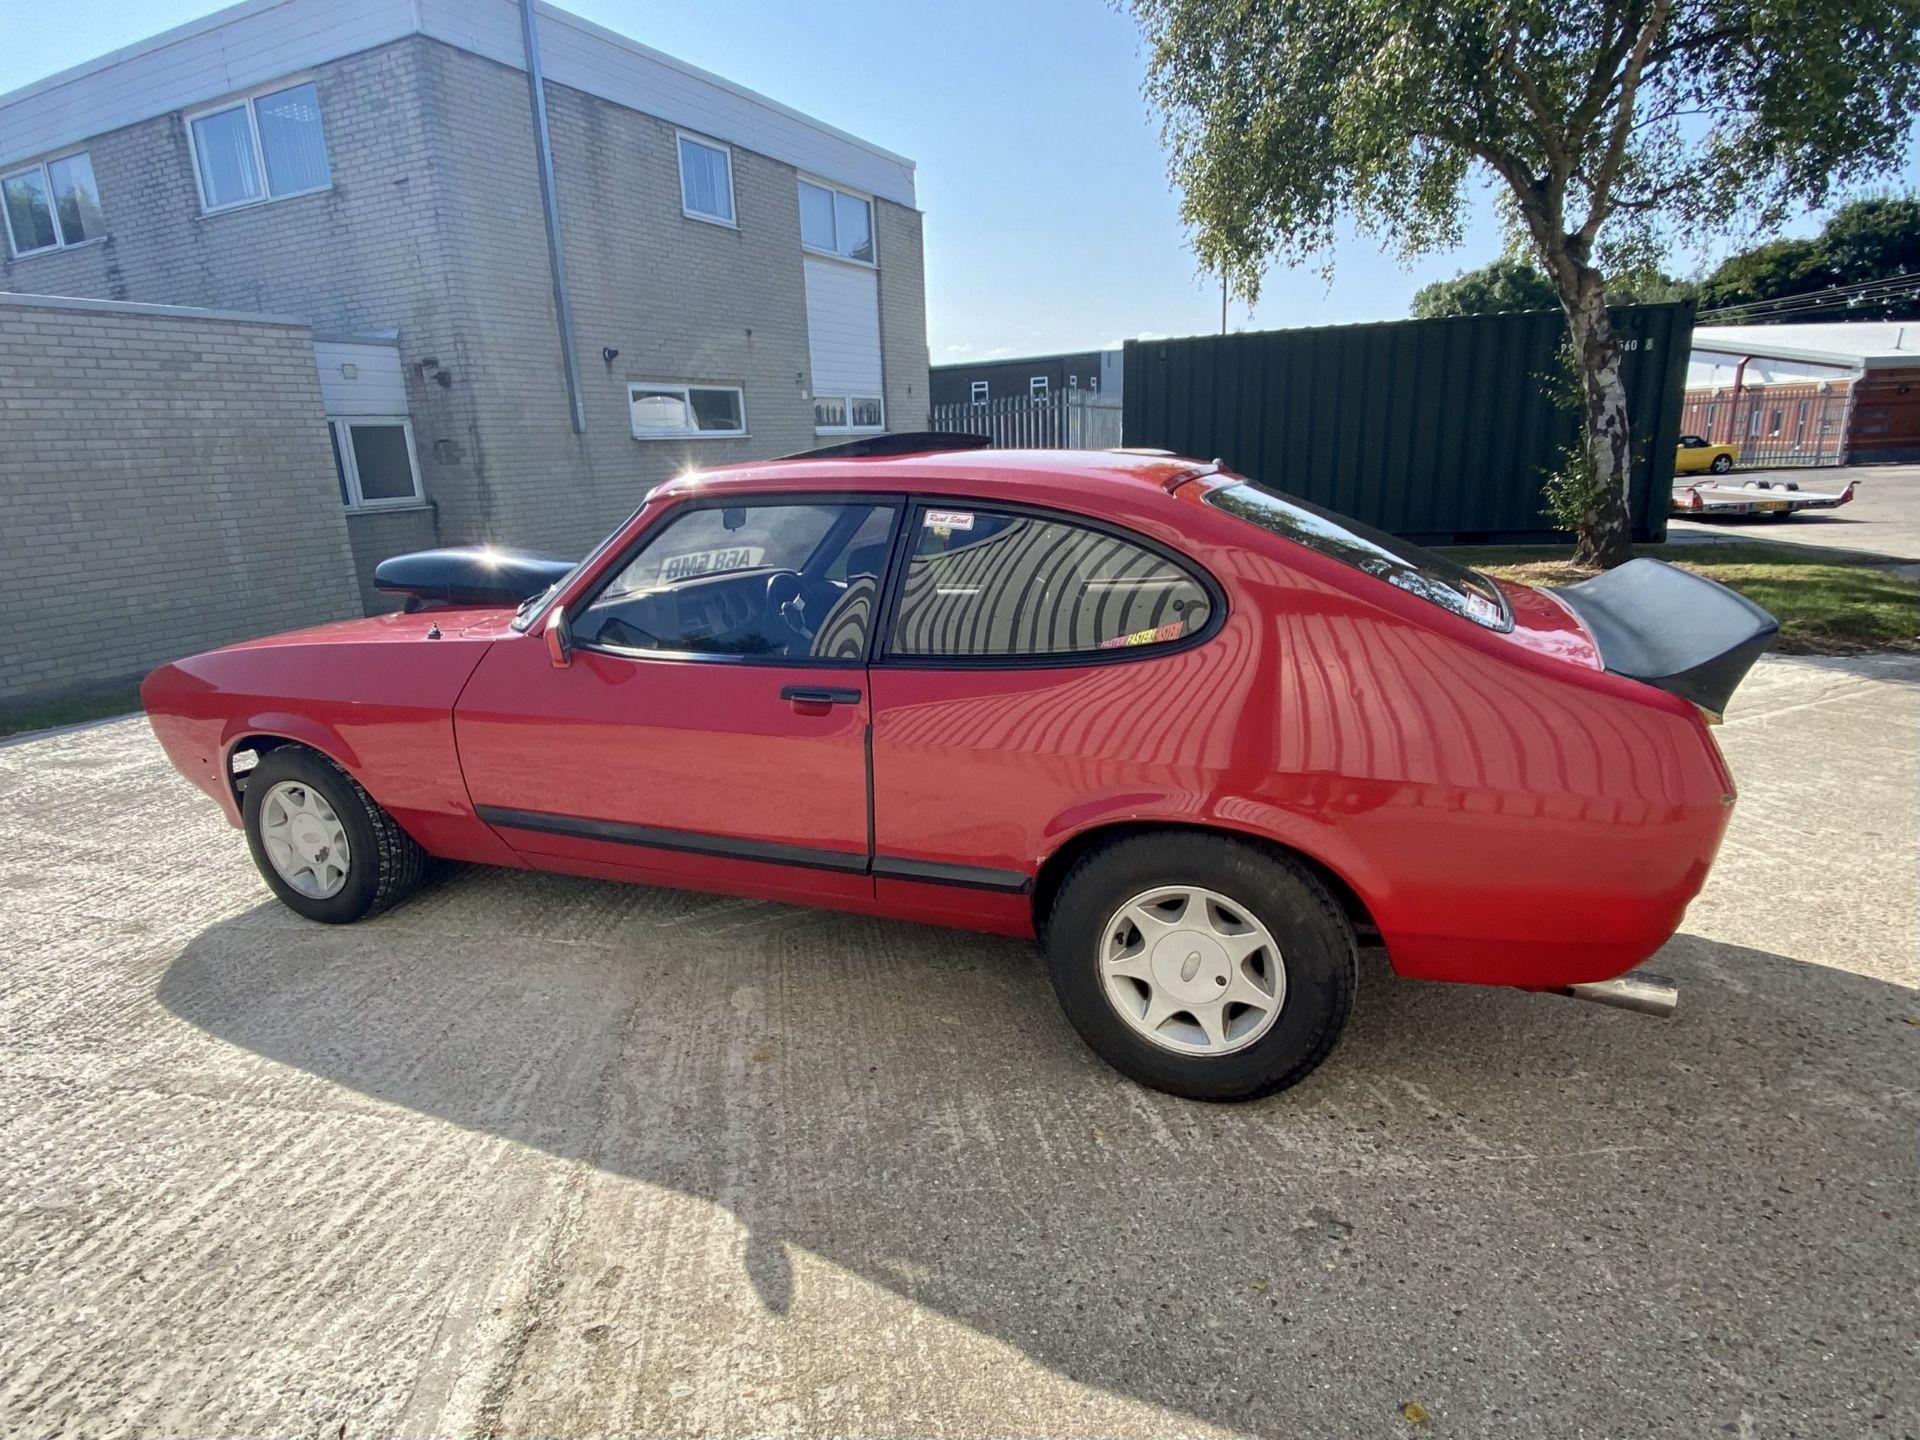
column 1499, row 806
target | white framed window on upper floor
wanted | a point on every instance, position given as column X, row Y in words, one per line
column 706, row 180
column 979, row 392
column 686, row 412
column 266, row 146
column 375, row 463
column 848, row 414
column 52, row 205
column 836, row 222
column 1037, row 387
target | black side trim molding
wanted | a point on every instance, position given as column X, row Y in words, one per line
column 727, row 847
column 967, row 877
column 691, row 842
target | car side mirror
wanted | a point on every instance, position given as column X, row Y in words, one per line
column 559, row 638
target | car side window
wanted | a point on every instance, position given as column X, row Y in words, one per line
column 983, row 583
column 789, row 581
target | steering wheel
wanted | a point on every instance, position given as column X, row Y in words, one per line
column 787, row 603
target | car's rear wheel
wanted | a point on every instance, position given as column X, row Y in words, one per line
column 1721, row 464
column 322, row 844
column 1208, row 967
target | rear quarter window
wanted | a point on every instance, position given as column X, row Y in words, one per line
column 989, row 584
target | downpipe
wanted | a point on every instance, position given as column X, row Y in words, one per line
column 1636, row 990
column 550, row 210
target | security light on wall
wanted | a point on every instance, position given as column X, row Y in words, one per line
column 609, row 354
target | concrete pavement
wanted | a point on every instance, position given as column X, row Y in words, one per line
column 536, row 1157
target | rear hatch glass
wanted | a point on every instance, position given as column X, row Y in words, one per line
column 1448, row 584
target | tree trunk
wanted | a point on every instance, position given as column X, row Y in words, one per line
column 1605, row 534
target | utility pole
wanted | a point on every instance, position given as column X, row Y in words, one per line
column 1223, row 299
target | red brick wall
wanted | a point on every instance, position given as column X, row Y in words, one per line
column 1797, row 423
column 1886, row 414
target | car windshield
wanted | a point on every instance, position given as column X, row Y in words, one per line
column 717, row 541
column 1450, row 585
column 530, row 608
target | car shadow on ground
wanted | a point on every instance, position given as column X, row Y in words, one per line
column 1475, row 1180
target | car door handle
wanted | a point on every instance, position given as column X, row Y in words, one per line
column 819, row 695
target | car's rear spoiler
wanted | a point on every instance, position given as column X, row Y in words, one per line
column 467, row 575
column 1686, row 634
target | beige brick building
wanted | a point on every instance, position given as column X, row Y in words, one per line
column 741, row 280
column 168, row 488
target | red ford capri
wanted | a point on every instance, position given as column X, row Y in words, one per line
column 1200, row 738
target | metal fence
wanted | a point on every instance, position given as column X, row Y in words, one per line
column 1791, row 423
column 1065, row 420
column 1439, row 430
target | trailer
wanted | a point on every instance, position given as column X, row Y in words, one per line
column 1773, row 499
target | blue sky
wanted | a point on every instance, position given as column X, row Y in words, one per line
column 1050, row 224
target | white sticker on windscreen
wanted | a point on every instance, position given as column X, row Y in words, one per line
column 949, row 520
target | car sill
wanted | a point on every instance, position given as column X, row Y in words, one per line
column 727, row 847
column 966, row 877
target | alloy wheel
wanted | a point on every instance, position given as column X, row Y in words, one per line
column 1192, row 970
column 304, row 839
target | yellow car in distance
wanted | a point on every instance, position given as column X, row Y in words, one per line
column 1701, row 457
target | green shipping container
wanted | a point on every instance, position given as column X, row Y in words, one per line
column 1438, row 430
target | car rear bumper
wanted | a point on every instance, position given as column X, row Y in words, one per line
column 1587, row 890
column 1527, row 964
column 1619, row 898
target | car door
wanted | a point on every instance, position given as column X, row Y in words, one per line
column 1036, row 665
column 709, row 728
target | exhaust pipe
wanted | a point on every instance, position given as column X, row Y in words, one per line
column 1636, row 990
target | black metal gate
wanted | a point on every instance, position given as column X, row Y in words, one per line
column 1438, row 430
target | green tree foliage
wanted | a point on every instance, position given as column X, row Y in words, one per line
column 1508, row 285
column 1647, row 287
column 1866, row 242
column 1495, row 289
column 1632, row 117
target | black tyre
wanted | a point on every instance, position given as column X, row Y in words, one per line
column 1207, row 967
column 1721, row 464
column 321, row 842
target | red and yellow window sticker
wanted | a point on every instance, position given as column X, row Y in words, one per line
column 1170, row 631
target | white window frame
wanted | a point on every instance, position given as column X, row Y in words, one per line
column 979, row 392
column 350, row 466
column 846, row 399
column 246, row 101
column 684, row 386
column 1037, row 387
column 45, row 167
column 733, row 193
column 873, row 222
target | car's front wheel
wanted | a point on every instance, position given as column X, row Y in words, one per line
column 323, row 845
column 1721, row 464
column 1208, row 967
